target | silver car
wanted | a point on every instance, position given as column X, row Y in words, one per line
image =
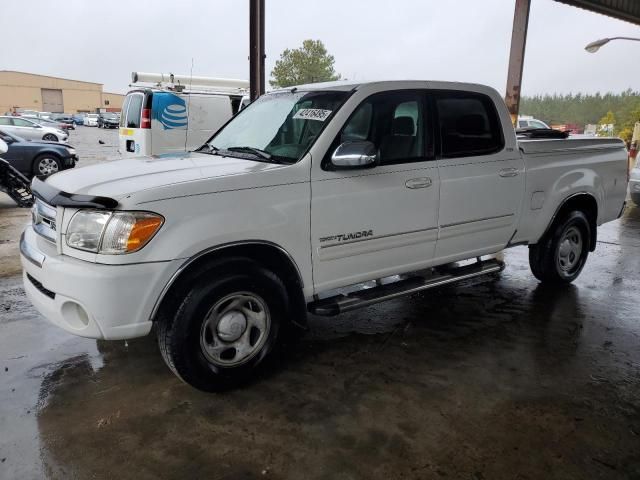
column 25, row 128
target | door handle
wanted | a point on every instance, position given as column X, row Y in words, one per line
column 509, row 172
column 421, row 182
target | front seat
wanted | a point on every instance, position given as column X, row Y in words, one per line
column 401, row 142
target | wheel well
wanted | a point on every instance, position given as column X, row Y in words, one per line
column 268, row 255
column 586, row 204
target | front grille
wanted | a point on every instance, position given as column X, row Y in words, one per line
column 43, row 217
column 40, row 287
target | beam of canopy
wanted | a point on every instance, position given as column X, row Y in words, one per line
column 627, row 10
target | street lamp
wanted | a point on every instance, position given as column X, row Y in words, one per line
column 593, row 47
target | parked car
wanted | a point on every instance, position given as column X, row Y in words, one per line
column 59, row 124
column 45, row 122
column 525, row 121
column 37, row 157
column 64, row 119
column 300, row 198
column 91, row 120
column 26, row 113
column 30, row 130
column 78, row 118
column 108, row 120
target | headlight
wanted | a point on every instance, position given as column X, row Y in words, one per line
column 112, row 233
column 72, row 151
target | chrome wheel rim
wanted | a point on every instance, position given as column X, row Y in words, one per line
column 50, row 138
column 47, row 166
column 235, row 329
column 570, row 250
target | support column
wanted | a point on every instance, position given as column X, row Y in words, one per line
column 516, row 57
column 256, row 48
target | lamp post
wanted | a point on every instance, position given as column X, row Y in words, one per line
column 593, row 47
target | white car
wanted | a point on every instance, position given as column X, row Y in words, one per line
column 304, row 195
column 30, row 130
column 530, row 122
column 91, row 120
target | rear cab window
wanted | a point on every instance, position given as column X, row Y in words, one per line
column 469, row 124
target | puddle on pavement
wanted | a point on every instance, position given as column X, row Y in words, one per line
column 441, row 383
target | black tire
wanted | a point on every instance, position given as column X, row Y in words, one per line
column 185, row 325
column 50, row 137
column 559, row 258
column 46, row 164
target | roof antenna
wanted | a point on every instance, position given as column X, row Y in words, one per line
column 186, row 134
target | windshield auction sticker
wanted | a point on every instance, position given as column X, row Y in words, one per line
column 312, row 114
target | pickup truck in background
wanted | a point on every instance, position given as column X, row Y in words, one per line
column 320, row 198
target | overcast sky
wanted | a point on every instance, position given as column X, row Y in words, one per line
column 466, row 40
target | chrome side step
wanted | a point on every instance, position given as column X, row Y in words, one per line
column 341, row 303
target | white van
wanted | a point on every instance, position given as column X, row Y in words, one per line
column 168, row 118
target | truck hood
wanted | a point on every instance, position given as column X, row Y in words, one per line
column 121, row 178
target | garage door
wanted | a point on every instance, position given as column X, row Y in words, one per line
column 52, row 101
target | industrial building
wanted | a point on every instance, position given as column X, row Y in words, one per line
column 20, row 90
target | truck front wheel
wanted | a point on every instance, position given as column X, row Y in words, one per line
column 561, row 254
column 224, row 324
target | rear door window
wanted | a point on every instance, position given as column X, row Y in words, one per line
column 134, row 111
column 469, row 124
column 123, row 112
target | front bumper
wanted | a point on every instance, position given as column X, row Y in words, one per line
column 70, row 161
column 91, row 300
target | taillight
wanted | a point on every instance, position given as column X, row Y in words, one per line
column 146, row 118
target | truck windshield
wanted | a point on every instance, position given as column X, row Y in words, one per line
column 278, row 126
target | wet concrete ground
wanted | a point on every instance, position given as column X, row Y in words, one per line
column 497, row 378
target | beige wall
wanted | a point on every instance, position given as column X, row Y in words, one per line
column 115, row 100
column 23, row 90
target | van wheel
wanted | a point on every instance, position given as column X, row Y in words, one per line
column 46, row 165
column 562, row 253
column 50, row 137
column 223, row 324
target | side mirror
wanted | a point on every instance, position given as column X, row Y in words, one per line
column 3, row 147
column 354, row 154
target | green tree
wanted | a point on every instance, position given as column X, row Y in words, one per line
column 309, row 64
column 608, row 119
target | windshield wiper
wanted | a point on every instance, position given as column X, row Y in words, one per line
column 256, row 151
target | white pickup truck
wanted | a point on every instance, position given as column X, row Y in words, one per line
column 296, row 202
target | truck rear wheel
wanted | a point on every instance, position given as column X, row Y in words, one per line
column 561, row 254
column 224, row 324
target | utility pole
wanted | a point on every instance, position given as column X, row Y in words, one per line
column 516, row 57
column 256, row 48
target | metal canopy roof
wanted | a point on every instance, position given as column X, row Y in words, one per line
column 627, row 10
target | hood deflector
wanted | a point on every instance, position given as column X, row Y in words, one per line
column 58, row 198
